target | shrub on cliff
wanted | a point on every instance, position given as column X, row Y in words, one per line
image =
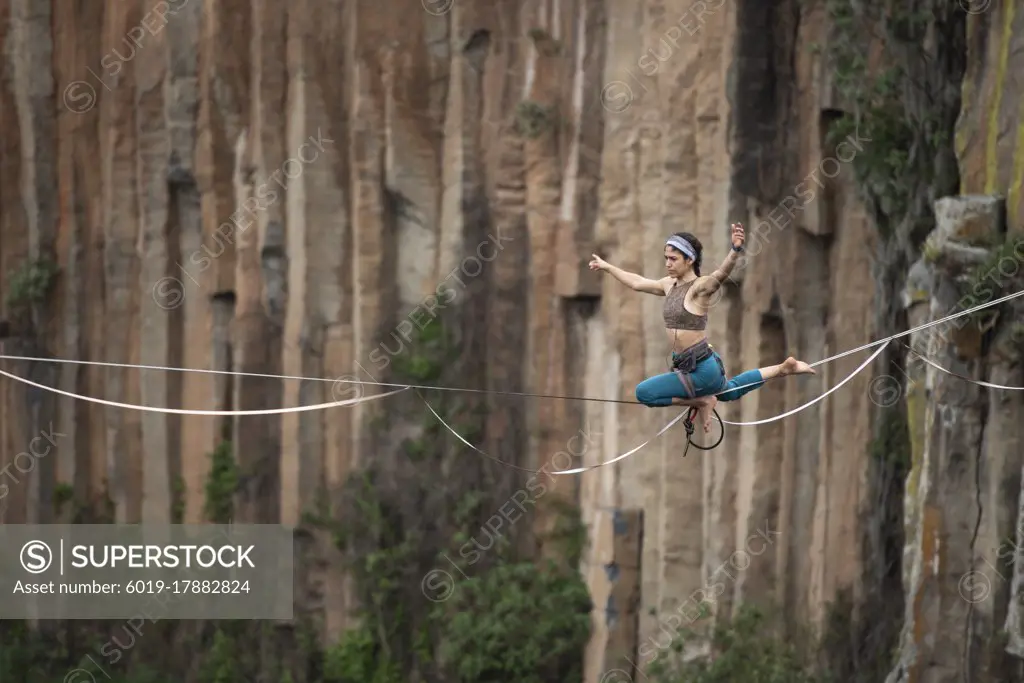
column 517, row 622
column 744, row 650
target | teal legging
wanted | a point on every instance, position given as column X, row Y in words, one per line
column 708, row 378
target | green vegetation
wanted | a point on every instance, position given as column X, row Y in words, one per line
column 63, row 495
column 533, row 119
column 891, row 443
column 998, row 276
column 221, row 485
column 517, row 622
column 906, row 121
column 431, row 345
column 569, row 535
column 746, row 649
column 178, row 501
column 31, row 283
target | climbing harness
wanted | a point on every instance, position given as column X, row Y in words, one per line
column 401, row 387
column 683, row 364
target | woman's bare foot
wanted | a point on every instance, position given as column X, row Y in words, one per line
column 705, row 412
column 704, row 405
column 792, row 366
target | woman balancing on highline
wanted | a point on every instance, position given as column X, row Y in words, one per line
column 697, row 370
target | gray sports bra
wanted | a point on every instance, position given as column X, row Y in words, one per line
column 675, row 314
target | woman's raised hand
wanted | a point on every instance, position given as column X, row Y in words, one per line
column 597, row 263
column 737, row 235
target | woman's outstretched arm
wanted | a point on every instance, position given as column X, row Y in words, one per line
column 638, row 283
column 710, row 284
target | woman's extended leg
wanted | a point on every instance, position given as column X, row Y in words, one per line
column 746, row 382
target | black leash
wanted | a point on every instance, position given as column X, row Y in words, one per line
column 688, row 425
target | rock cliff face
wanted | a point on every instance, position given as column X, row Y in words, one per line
column 963, row 520
column 276, row 187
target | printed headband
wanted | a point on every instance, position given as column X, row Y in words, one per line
column 683, row 246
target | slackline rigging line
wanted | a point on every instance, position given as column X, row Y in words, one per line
column 181, row 411
column 403, row 387
column 957, row 374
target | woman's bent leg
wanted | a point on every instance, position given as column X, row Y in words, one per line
column 658, row 391
column 667, row 389
column 708, row 378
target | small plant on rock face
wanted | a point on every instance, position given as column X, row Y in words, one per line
column 31, row 283
column 178, row 501
column 63, row 493
column 998, row 276
column 221, row 485
column 892, row 444
column 745, row 650
column 533, row 119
